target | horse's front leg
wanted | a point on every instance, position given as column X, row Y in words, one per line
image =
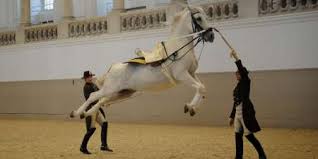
column 93, row 97
column 200, row 90
column 106, row 94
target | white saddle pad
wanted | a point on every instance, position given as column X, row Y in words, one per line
column 157, row 54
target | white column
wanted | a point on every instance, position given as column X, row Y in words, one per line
column 118, row 5
column 113, row 18
column 63, row 10
column 25, row 19
column 63, row 13
column 68, row 10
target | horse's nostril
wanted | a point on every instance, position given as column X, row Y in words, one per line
column 208, row 36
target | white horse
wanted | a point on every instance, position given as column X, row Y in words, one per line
column 123, row 80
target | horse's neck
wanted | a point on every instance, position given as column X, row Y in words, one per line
column 174, row 43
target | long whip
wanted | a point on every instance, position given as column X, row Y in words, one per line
column 226, row 42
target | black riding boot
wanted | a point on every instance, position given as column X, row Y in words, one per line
column 239, row 145
column 257, row 146
column 86, row 138
column 103, row 138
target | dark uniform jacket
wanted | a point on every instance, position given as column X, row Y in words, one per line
column 241, row 94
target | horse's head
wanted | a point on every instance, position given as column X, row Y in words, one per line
column 192, row 20
column 199, row 23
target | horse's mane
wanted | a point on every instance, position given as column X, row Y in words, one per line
column 177, row 18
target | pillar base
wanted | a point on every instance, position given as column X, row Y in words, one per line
column 68, row 18
column 25, row 24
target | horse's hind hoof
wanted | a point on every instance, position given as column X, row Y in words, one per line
column 186, row 109
column 72, row 114
column 82, row 116
column 192, row 112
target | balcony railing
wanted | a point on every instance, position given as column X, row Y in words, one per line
column 129, row 21
column 41, row 33
column 94, row 26
column 143, row 19
column 7, row 38
column 269, row 7
column 148, row 19
column 223, row 10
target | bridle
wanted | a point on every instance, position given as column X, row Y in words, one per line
column 196, row 27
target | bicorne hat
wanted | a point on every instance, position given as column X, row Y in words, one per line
column 87, row 74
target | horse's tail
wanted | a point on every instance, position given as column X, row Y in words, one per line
column 100, row 80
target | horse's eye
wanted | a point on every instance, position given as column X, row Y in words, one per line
column 199, row 19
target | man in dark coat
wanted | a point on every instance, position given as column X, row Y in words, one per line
column 243, row 113
column 89, row 88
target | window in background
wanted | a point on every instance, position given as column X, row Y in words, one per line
column 48, row 4
column 104, row 7
column 42, row 11
column 109, row 6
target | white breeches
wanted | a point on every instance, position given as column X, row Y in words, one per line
column 239, row 126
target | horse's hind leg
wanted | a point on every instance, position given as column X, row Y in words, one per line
column 200, row 89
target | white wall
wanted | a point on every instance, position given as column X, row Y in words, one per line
column 9, row 14
column 84, row 8
column 270, row 43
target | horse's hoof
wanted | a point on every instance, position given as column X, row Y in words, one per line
column 186, row 109
column 82, row 116
column 192, row 112
column 72, row 114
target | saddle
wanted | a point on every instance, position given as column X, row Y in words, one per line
column 154, row 58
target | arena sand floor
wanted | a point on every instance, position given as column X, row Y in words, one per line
column 53, row 139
